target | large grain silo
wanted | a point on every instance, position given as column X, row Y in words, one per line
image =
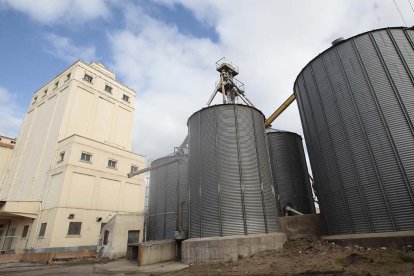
column 230, row 179
column 356, row 106
column 168, row 198
column 290, row 172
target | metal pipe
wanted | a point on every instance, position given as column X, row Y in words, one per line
column 131, row 174
column 279, row 111
column 288, row 208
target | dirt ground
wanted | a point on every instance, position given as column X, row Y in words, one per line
column 312, row 256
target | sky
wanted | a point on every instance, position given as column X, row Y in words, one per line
column 166, row 51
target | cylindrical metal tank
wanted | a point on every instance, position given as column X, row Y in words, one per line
column 290, row 172
column 356, row 102
column 231, row 191
column 168, row 199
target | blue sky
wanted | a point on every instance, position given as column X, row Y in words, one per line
column 166, row 49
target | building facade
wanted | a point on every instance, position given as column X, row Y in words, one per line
column 68, row 174
column 6, row 152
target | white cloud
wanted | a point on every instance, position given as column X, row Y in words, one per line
column 10, row 115
column 61, row 11
column 271, row 41
column 65, row 49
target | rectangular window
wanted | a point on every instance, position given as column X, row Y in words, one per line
column 87, row 78
column 68, row 76
column 25, row 231
column 61, row 156
column 74, row 228
column 56, row 85
column 13, row 142
column 86, row 157
column 42, row 231
column 44, row 93
column 134, row 168
column 108, row 88
column 125, row 98
column 112, row 164
column 34, row 100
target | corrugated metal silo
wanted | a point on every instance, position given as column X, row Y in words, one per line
column 168, row 199
column 230, row 177
column 356, row 106
column 290, row 172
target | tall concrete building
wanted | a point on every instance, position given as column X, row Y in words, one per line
column 68, row 174
column 6, row 153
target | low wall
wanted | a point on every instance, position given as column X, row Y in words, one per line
column 217, row 249
column 301, row 226
column 396, row 240
column 153, row 252
column 46, row 258
column 10, row 258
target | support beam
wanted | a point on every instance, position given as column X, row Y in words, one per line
column 153, row 167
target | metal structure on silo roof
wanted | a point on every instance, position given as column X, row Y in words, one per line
column 168, row 198
column 230, row 180
column 290, row 172
column 356, row 105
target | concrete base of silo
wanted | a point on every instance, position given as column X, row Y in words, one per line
column 218, row 249
column 302, row 226
column 396, row 240
column 153, row 252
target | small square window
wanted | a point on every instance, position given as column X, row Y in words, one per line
column 87, row 78
column 112, row 164
column 44, row 93
column 108, row 89
column 56, row 85
column 74, row 228
column 68, row 76
column 42, row 231
column 61, row 156
column 86, row 157
column 125, row 98
column 25, row 231
column 134, row 168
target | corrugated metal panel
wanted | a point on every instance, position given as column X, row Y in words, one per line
column 356, row 106
column 168, row 200
column 290, row 173
column 231, row 189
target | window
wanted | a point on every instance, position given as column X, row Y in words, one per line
column 112, row 164
column 74, row 228
column 71, row 216
column 87, row 78
column 13, row 142
column 108, row 88
column 34, row 100
column 134, row 168
column 106, row 237
column 86, row 157
column 133, row 236
column 125, row 98
column 42, row 230
column 44, row 93
column 25, row 231
column 68, row 76
column 61, row 156
column 56, row 85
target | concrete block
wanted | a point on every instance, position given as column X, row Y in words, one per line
column 153, row 252
column 218, row 249
column 301, row 226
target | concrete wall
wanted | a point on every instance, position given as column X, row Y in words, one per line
column 156, row 252
column 218, row 249
column 301, row 226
